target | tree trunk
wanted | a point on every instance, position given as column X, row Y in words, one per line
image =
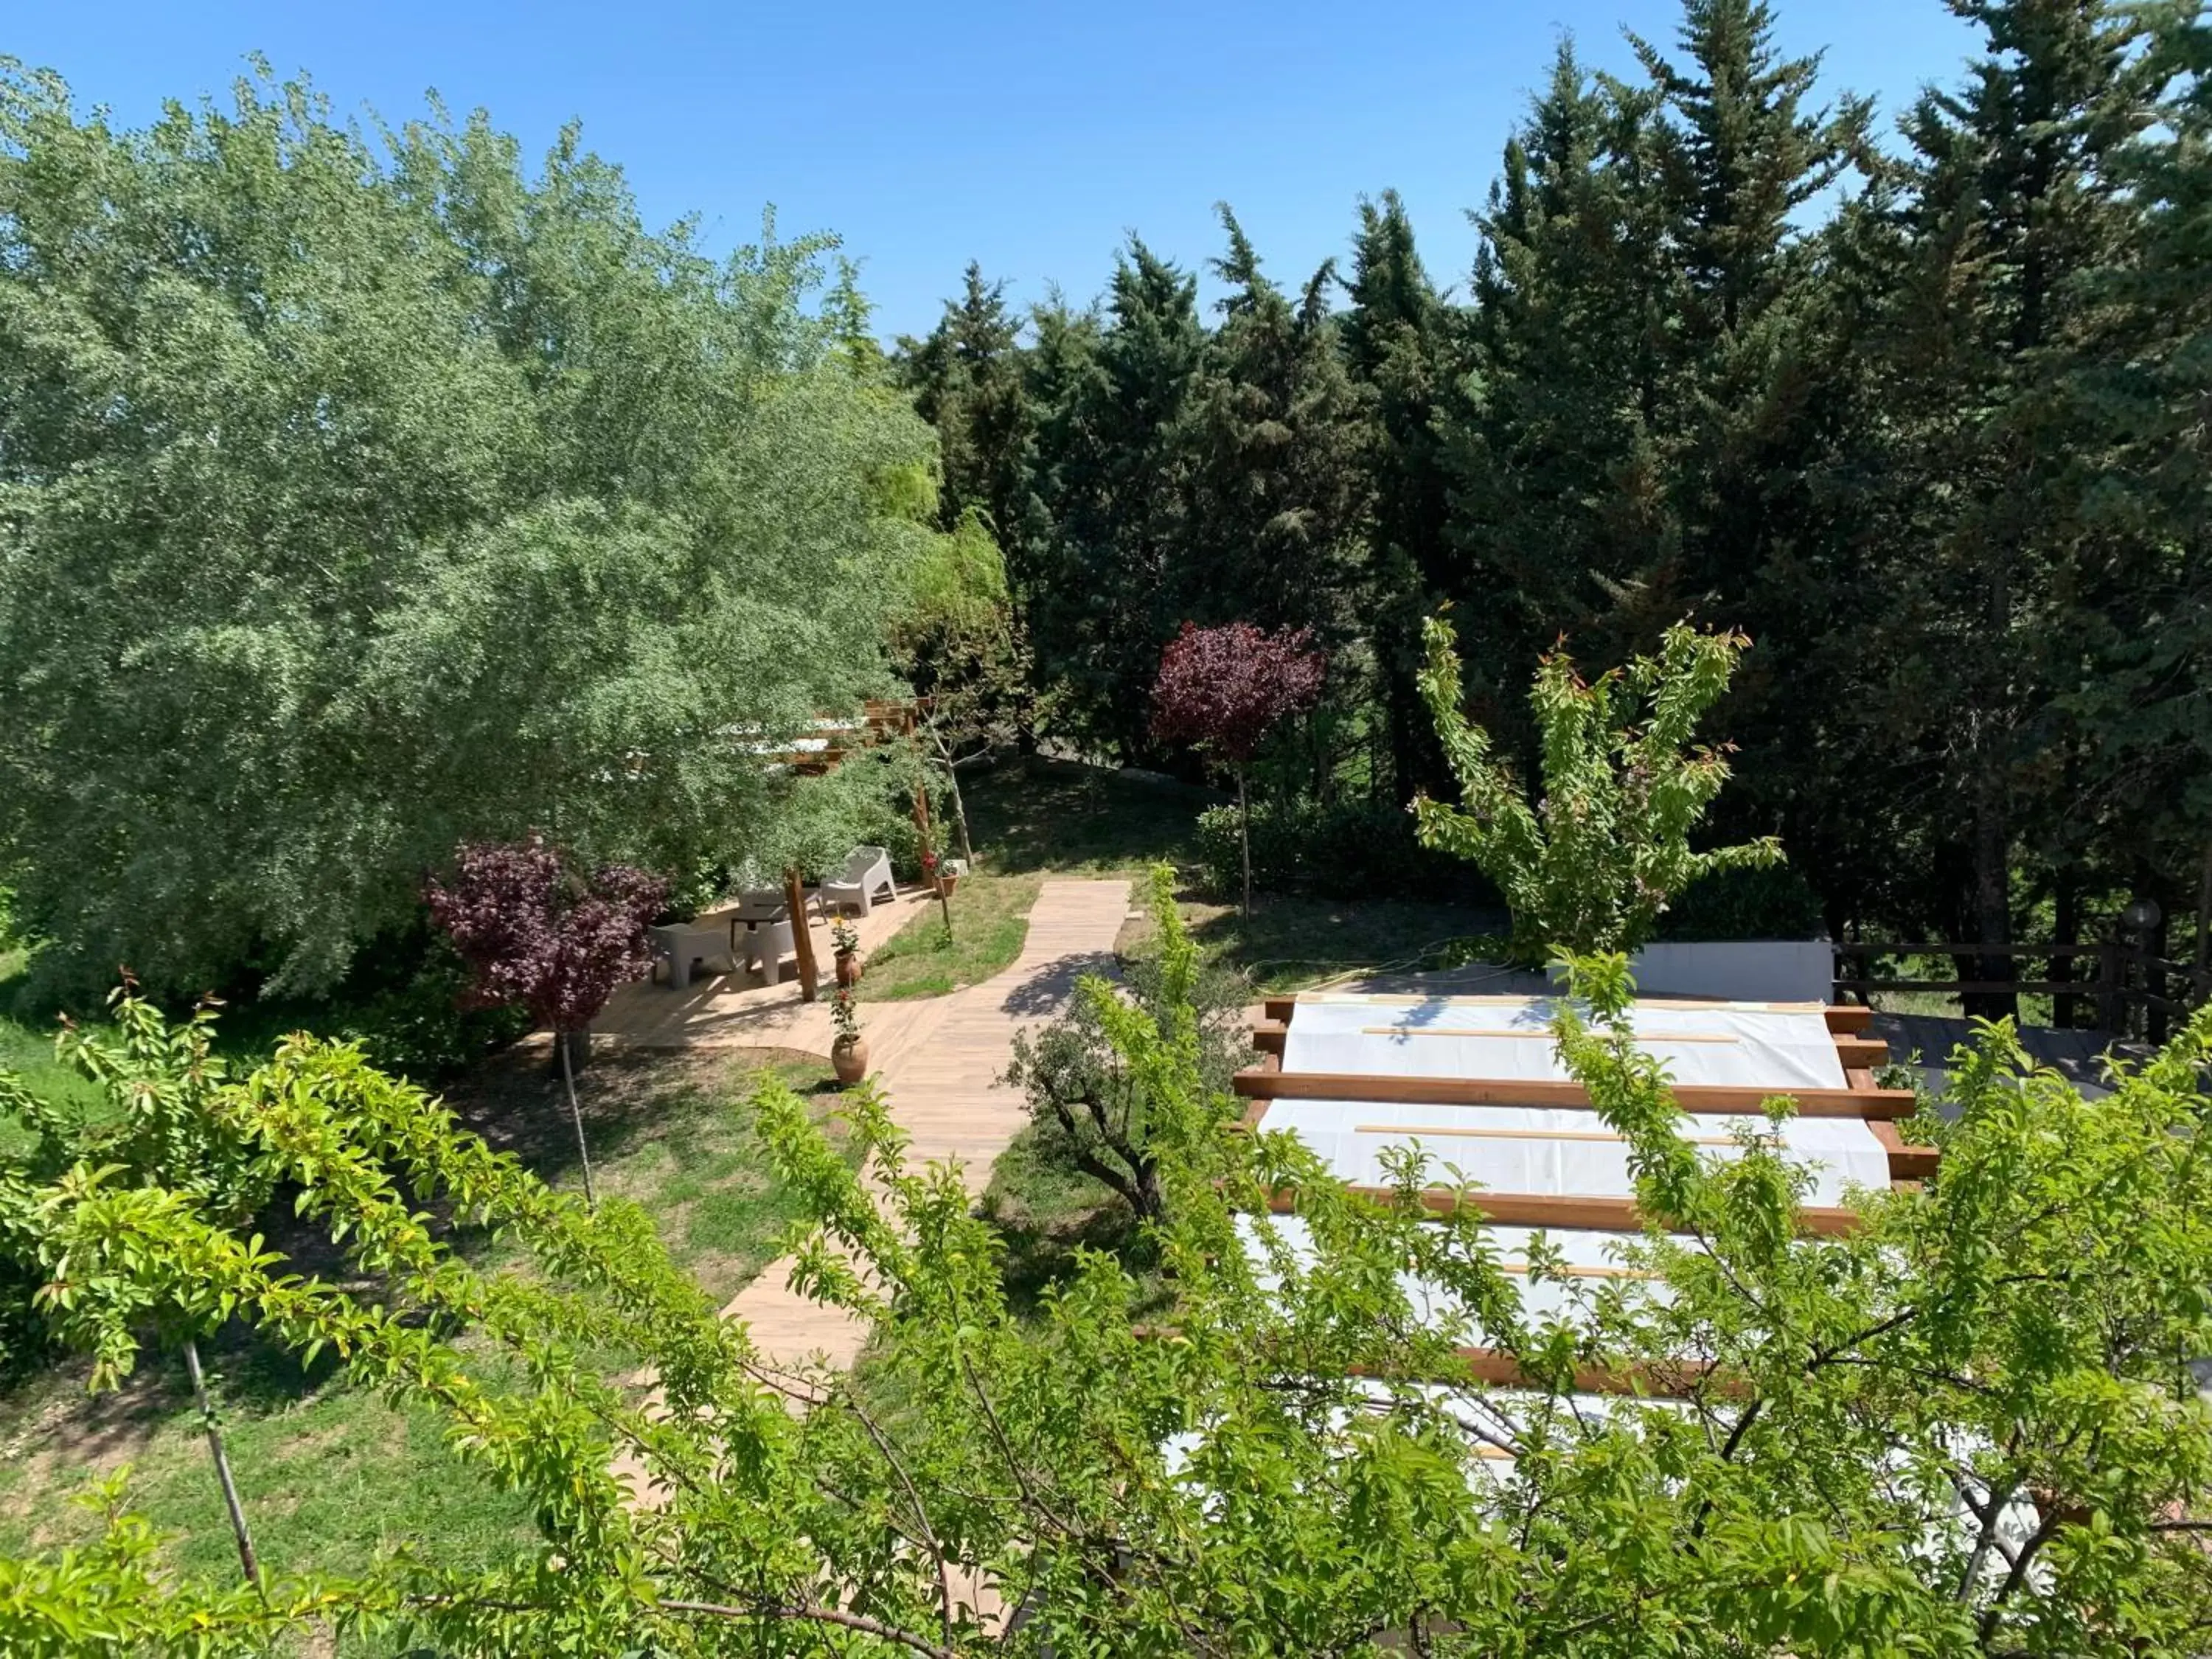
column 1244, row 839
column 576, row 1112
column 2066, row 928
column 959, row 813
column 2202, row 959
column 214, row 1432
column 575, row 1045
column 1992, row 897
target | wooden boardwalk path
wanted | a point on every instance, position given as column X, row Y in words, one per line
column 937, row 1061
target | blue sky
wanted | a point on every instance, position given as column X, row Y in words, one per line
column 1031, row 137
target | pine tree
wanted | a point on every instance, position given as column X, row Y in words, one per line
column 1114, row 489
column 1272, row 442
column 1559, row 500
column 2011, row 199
column 1738, row 154
column 968, row 381
column 2145, row 380
column 1399, row 340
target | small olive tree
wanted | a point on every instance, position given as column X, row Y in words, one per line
column 540, row 936
column 1092, row 1108
column 1591, row 863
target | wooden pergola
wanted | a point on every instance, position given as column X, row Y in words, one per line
column 1266, row 1083
column 882, row 721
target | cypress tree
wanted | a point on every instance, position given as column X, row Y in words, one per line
column 1273, row 445
column 1559, row 501
column 2144, row 379
column 1399, row 340
column 968, row 381
column 1114, row 489
column 2011, row 201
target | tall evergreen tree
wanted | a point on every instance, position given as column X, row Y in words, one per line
column 2010, row 201
column 1114, row 489
column 1559, row 499
column 1400, row 342
column 1273, row 438
column 2146, row 381
column 1738, row 154
column 968, row 381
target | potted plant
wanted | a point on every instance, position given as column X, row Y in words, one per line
column 949, row 873
column 849, row 1052
column 845, row 938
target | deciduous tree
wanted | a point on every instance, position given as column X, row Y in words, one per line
column 540, row 934
column 1590, row 862
column 1223, row 689
column 364, row 496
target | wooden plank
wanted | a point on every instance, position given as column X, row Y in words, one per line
column 1265, row 1083
column 1657, row 999
column 1600, row 1215
column 1269, row 1036
column 802, row 938
column 2025, row 987
column 1847, row 1020
column 1967, row 948
column 1676, row 1380
column 1906, row 1162
column 1280, row 1008
column 1858, row 1054
column 1601, row 1135
column 1544, row 1036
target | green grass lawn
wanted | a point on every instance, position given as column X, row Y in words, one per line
column 1030, row 818
column 1065, row 818
column 1293, row 941
column 990, row 920
column 329, row 1472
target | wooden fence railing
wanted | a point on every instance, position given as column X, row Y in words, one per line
column 2130, row 989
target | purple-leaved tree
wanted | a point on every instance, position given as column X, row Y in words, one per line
column 541, row 936
column 1222, row 689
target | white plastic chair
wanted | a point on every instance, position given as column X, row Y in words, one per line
column 866, row 877
column 678, row 945
column 766, row 944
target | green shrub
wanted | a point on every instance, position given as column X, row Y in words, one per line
column 420, row 1030
column 1347, row 850
column 1775, row 903
column 403, row 1003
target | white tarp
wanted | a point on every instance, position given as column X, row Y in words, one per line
column 1591, row 1261
column 1563, row 1150
column 1778, row 1046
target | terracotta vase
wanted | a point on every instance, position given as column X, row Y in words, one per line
column 949, row 883
column 849, row 1058
column 849, row 969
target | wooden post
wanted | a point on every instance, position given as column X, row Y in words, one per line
column 2202, row 959
column 2110, row 1007
column 2156, row 984
column 802, row 937
column 921, row 811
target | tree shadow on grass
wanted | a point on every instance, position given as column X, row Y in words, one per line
column 1042, row 1251
column 516, row 1102
column 1295, row 938
column 1069, row 816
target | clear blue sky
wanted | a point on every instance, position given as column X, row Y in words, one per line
column 1029, row 138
